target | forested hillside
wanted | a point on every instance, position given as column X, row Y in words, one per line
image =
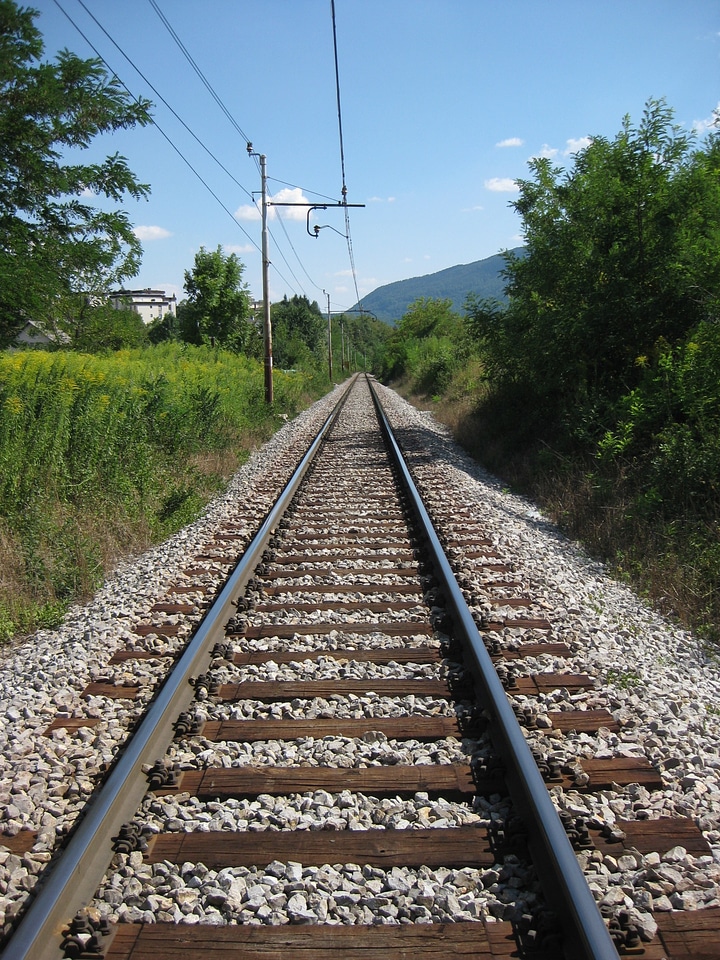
column 596, row 387
column 482, row 278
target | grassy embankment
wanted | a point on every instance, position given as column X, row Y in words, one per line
column 102, row 456
column 668, row 551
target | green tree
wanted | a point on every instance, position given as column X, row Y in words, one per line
column 101, row 326
column 51, row 239
column 217, row 309
column 619, row 254
column 299, row 332
column 426, row 344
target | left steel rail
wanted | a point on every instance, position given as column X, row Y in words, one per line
column 75, row 877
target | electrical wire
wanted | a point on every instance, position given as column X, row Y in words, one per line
column 304, row 189
column 154, row 122
column 236, row 126
column 159, row 96
column 197, row 69
column 302, row 265
column 342, row 155
column 218, row 100
column 162, row 132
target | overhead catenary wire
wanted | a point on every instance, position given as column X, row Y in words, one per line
column 342, row 155
column 154, row 121
column 157, row 125
column 219, row 101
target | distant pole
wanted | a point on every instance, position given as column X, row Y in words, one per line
column 267, row 325
column 330, row 372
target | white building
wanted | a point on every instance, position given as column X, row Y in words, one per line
column 34, row 335
column 150, row 304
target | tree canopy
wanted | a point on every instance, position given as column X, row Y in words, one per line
column 54, row 242
column 621, row 254
column 217, row 308
column 299, row 332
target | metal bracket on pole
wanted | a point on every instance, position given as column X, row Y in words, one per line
column 315, row 233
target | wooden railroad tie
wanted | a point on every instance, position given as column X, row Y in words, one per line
column 435, row 941
column 450, row 847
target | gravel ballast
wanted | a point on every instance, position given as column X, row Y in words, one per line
column 657, row 680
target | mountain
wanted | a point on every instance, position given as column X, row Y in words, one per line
column 482, row 277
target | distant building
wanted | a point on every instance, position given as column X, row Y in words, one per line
column 33, row 335
column 150, row 304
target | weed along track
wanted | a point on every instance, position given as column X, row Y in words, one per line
column 376, row 739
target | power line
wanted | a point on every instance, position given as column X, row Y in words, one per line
column 162, row 132
column 302, row 265
column 342, row 155
column 197, row 69
column 236, row 126
column 304, row 189
column 218, row 100
column 154, row 122
column 157, row 93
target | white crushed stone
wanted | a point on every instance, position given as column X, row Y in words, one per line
column 657, row 680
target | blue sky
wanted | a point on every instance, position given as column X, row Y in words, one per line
column 443, row 104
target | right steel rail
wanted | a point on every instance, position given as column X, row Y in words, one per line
column 586, row 935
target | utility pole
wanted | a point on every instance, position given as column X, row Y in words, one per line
column 329, row 338
column 267, row 325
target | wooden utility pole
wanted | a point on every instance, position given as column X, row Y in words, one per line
column 330, row 370
column 267, row 325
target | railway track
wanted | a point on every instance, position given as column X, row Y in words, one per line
column 351, row 754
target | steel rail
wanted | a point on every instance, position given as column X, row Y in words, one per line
column 75, row 877
column 586, row 935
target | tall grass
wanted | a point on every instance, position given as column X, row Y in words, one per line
column 100, row 455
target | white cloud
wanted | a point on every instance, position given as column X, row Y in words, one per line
column 546, row 151
column 576, row 145
column 151, row 233
column 501, row 185
column 702, row 126
column 474, row 209
column 381, row 200
column 249, row 211
column 239, row 248
column 572, row 145
column 511, row 142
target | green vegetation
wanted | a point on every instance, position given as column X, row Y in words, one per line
column 591, row 381
column 55, row 247
column 103, row 453
column 427, row 347
column 596, row 387
column 217, row 309
column 102, row 456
